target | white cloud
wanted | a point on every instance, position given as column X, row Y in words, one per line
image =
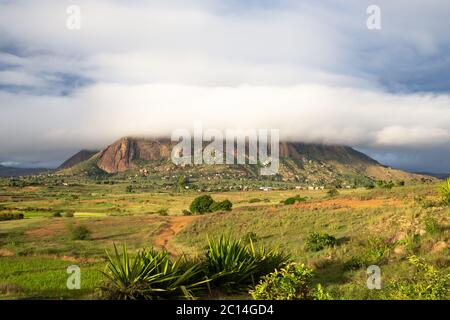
column 18, row 78
column 420, row 136
column 311, row 69
column 101, row 113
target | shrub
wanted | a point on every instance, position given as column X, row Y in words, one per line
column 318, row 241
column 401, row 183
column 355, row 263
column 225, row 205
column 163, row 212
column 182, row 181
column 289, row 201
column 201, row 204
column 426, row 283
column 377, row 250
column 69, row 214
column 267, row 259
column 11, row 216
column 431, row 226
column 254, row 200
column 320, row 294
column 385, row 184
column 332, row 192
column 205, row 203
column 129, row 189
column 57, row 215
column 292, row 282
column 445, row 192
column 389, row 185
column 293, row 200
column 411, row 242
column 151, row 275
column 80, row 233
column 186, row 213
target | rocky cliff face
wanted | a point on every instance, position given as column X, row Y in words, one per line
column 123, row 154
column 119, row 156
column 303, row 162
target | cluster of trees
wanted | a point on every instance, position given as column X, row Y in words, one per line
column 385, row 184
column 206, row 203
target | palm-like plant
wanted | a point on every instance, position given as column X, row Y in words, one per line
column 173, row 279
column 124, row 276
column 267, row 259
column 229, row 263
column 151, row 275
column 232, row 265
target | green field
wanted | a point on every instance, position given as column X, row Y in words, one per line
column 377, row 226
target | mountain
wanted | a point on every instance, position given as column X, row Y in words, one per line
column 14, row 172
column 120, row 156
column 301, row 163
column 77, row 158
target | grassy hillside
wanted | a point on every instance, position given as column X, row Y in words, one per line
column 378, row 226
column 371, row 227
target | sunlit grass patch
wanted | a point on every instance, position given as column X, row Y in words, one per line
column 45, row 278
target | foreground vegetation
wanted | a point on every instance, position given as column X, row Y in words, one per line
column 330, row 239
column 228, row 266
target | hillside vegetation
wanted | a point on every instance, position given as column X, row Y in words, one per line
column 405, row 230
column 301, row 164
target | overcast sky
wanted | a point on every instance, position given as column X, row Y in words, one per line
column 309, row 68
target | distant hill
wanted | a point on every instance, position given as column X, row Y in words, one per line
column 302, row 163
column 436, row 175
column 77, row 158
column 14, row 172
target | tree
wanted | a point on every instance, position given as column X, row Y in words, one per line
column 201, row 204
column 182, row 182
column 332, row 192
column 225, row 205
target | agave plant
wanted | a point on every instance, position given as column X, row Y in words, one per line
column 445, row 192
column 232, row 265
column 229, row 263
column 174, row 279
column 151, row 275
column 267, row 259
column 124, row 276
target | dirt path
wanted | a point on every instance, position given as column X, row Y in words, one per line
column 169, row 231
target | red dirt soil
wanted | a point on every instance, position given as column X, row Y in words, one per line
column 170, row 230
